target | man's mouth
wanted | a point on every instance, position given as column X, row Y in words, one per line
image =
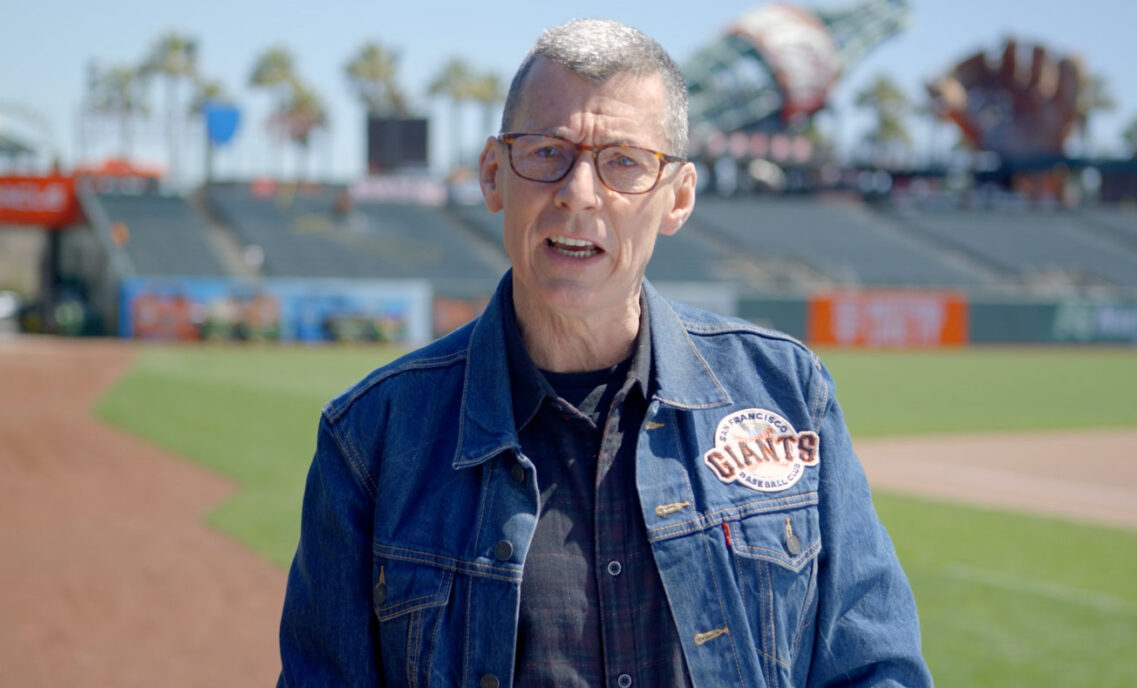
column 573, row 248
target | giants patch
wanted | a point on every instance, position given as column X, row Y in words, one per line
column 762, row 451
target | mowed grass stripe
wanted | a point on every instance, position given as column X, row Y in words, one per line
column 1012, row 600
column 985, row 389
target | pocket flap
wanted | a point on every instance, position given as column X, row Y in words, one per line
column 789, row 539
column 403, row 587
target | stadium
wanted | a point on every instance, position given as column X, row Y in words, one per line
column 147, row 319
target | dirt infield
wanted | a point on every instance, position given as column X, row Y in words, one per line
column 1088, row 476
column 108, row 577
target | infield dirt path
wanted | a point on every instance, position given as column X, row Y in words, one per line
column 109, row 579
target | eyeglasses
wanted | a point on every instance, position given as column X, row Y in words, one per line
column 621, row 167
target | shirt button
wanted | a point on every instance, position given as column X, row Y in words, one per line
column 614, row 569
column 624, row 681
column 518, row 473
column 503, row 550
column 489, row 681
column 793, row 545
column 380, row 594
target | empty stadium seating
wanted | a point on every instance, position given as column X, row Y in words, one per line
column 305, row 236
column 163, row 235
column 842, row 241
column 1032, row 245
column 755, row 243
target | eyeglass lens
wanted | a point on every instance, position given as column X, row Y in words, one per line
column 547, row 159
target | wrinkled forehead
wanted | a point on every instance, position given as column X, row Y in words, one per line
column 554, row 96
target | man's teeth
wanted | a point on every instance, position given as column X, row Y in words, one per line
column 573, row 248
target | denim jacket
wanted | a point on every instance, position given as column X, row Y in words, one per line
column 420, row 507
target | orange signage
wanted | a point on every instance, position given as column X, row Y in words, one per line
column 44, row 201
column 888, row 319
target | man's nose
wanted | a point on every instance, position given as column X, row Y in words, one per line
column 580, row 189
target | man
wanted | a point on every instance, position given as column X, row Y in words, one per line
column 590, row 485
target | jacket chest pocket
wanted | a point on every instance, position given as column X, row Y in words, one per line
column 775, row 560
column 409, row 600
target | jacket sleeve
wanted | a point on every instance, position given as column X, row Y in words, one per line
column 328, row 631
column 867, row 630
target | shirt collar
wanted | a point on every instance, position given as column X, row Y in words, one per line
column 529, row 388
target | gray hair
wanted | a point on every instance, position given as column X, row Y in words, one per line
column 597, row 50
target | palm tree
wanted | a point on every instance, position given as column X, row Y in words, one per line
column 119, row 94
column 174, row 57
column 889, row 105
column 372, row 73
column 487, row 90
column 301, row 116
column 1095, row 98
column 275, row 71
column 453, row 82
column 1130, row 137
column 207, row 91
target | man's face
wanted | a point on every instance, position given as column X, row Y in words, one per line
column 577, row 247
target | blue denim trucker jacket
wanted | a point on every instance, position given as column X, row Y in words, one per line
column 420, row 507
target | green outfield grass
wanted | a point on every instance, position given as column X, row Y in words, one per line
column 1005, row 599
column 985, row 389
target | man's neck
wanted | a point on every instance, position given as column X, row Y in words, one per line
column 567, row 343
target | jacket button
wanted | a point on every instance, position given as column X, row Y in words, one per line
column 380, row 594
column 503, row 551
column 624, row 681
column 489, row 681
column 518, row 473
column 793, row 545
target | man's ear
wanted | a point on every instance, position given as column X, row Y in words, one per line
column 683, row 201
column 489, row 175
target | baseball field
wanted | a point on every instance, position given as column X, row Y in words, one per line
column 1007, row 478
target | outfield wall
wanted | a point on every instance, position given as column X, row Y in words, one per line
column 287, row 310
column 414, row 311
column 936, row 319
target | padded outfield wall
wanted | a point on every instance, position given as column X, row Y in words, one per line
column 413, row 311
column 909, row 319
column 286, row 310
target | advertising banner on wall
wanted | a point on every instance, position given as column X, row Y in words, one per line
column 1095, row 323
column 43, row 201
column 288, row 310
column 888, row 319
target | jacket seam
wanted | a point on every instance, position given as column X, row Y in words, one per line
column 728, row 327
column 353, row 460
column 819, row 392
column 774, row 556
column 714, row 518
column 339, row 406
column 709, row 563
column 508, row 575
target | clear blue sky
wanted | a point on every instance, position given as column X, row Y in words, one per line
column 45, row 45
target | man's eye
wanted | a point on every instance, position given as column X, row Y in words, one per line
column 548, row 152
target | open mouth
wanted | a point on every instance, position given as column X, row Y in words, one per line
column 572, row 248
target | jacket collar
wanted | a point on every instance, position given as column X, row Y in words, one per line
column 486, row 427
column 680, row 376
